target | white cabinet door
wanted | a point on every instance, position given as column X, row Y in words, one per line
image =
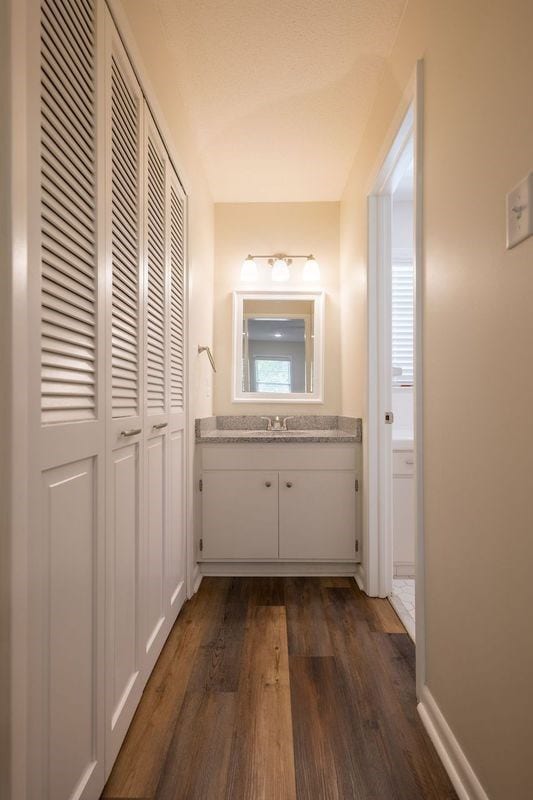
column 67, row 434
column 403, row 504
column 175, row 546
column 240, row 515
column 163, row 540
column 124, row 114
column 317, row 514
column 156, row 395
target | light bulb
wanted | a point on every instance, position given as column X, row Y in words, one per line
column 280, row 271
column 311, row 270
column 249, row 270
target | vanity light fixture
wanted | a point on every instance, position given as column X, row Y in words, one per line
column 280, row 270
column 280, row 263
column 249, row 270
column 311, row 270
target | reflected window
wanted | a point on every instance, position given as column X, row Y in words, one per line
column 272, row 374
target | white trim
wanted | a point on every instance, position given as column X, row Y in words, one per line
column 408, row 122
column 359, row 576
column 278, row 568
column 317, row 396
column 418, row 386
column 196, row 579
column 456, row 764
column 14, row 376
column 405, row 617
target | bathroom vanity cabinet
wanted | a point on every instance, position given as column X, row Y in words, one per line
column 280, row 504
column 403, row 500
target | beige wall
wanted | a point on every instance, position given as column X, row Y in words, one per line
column 142, row 17
column 478, row 375
column 242, row 228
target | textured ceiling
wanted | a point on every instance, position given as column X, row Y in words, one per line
column 278, row 91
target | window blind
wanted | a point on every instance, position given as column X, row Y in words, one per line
column 402, row 321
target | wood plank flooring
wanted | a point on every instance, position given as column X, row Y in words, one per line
column 281, row 689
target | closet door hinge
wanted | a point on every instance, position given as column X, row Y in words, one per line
column 201, row 545
column 201, row 485
column 357, row 545
column 356, row 485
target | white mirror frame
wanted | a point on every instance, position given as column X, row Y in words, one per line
column 316, row 396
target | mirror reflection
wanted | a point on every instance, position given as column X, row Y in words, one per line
column 278, row 346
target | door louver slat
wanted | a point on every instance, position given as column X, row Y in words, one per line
column 155, row 308
column 125, row 133
column 177, row 299
column 68, row 226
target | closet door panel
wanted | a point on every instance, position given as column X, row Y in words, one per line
column 175, row 566
column 156, row 400
column 156, row 519
column 124, row 114
column 156, row 394
column 175, row 561
column 124, row 609
column 67, row 422
column 70, row 531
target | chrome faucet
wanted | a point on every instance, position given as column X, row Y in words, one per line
column 276, row 424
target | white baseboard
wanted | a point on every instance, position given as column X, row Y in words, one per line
column 277, row 568
column 456, row 764
column 360, row 576
column 405, row 617
column 196, row 578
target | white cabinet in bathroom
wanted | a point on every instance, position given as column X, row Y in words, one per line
column 240, row 514
column 278, row 504
column 403, row 504
column 317, row 514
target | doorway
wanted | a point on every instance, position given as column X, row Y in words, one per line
column 393, row 563
column 400, row 282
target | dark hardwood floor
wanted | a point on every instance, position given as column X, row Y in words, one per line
column 281, row 689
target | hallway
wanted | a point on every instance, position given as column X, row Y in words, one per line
column 281, row 688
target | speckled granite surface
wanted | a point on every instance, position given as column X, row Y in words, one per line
column 251, row 428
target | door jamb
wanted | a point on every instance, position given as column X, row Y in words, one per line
column 377, row 557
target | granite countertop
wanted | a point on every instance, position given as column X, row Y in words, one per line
column 314, row 429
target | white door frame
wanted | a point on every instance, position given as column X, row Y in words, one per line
column 377, row 555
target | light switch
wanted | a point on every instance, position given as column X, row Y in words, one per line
column 519, row 212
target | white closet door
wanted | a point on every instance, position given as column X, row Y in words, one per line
column 124, row 659
column 156, row 394
column 175, row 558
column 66, row 757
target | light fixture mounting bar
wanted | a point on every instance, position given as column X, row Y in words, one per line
column 279, row 255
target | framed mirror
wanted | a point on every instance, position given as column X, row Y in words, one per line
column 278, row 347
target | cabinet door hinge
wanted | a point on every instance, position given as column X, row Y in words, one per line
column 357, row 545
column 356, row 485
column 201, row 545
column 201, row 485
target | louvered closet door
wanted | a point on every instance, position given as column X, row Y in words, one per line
column 67, row 545
column 156, row 394
column 124, row 658
column 175, row 558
